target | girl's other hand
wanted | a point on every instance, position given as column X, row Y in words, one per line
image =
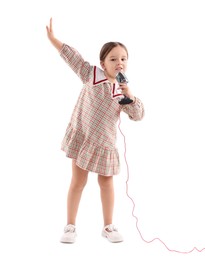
column 125, row 90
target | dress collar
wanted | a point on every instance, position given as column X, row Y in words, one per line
column 99, row 77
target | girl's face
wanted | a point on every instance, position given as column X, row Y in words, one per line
column 115, row 61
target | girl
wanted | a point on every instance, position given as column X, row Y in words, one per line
column 91, row 134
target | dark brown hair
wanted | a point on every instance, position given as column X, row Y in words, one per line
column 107, row 47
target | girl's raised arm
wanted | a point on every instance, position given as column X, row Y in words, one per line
column 56, row 43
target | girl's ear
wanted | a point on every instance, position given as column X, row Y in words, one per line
column 102, row 65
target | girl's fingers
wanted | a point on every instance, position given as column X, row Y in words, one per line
column 123, row 87
column 51, row 27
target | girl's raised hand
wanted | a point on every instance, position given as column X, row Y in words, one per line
column 50, row 31
column 56, row 43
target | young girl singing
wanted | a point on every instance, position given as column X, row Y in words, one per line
column 91, row 133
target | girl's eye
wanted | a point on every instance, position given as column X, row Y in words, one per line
column 123, row 59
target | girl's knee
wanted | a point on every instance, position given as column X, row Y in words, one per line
column 79, row 177
column 105, row 182
column 78, row 184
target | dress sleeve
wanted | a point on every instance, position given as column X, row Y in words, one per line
column 134, row 110
column 76, row 62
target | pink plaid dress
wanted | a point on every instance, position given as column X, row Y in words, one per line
column 90, row 137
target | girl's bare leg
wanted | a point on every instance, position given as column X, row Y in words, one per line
column 107, row 197
column 78, row 182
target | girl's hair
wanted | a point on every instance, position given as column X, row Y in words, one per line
column 107, row 47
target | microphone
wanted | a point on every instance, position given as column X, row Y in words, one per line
column 121, row 78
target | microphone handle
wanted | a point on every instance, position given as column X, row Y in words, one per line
column 125, row 101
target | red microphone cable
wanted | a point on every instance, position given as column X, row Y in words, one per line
column 133, row 203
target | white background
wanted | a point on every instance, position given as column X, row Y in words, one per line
column 164, row 151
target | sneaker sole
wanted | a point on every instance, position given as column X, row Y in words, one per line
column 108, row 238
column 68, row 241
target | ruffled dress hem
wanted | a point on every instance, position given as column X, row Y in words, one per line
column 89, row 155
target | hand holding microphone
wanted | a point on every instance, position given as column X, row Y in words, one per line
column 122, row 79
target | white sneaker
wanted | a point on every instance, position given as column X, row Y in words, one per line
column 69, row 234
column 112, row 234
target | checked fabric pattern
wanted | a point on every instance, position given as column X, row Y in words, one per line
column 90, row 137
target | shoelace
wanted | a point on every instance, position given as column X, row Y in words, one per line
column 111, row 228
column 69, row 228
